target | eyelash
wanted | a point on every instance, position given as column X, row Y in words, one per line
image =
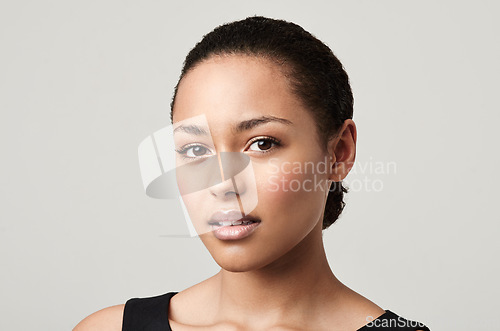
column 277, row 143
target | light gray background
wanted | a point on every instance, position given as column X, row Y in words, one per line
column 83, row 82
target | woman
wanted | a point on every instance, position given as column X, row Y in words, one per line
column 271, row 92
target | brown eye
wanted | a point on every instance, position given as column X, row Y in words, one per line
column 263, row 144
column 195, row 151
column 199, row 150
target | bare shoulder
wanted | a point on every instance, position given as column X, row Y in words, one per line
column 107, row 319
column 185, row 306
column 356, row 310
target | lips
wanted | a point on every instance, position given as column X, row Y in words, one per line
column 232, row 225
column 241, row 221
column 231, row 217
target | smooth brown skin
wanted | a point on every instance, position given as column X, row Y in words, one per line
column 278, row 278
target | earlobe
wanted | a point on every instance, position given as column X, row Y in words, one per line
column 342, row 150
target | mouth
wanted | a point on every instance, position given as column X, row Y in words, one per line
column 243, row 221
column 230, row 225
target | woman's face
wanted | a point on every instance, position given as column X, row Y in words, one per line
column 288, row 181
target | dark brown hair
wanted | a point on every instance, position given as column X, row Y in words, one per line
column 316, row 75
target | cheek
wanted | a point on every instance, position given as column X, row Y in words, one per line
column 291, row 193
column 275, row 188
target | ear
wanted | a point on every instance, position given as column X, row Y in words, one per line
column 342, row 150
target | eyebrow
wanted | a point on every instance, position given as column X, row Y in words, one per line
column 192, row 129
column 254, row 122
column 240, row 127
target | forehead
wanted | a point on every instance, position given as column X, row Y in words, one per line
column 232, row 86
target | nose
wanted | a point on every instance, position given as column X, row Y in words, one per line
column 231, row 164
column 225, row 190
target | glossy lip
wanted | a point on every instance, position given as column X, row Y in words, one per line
column 229, row 225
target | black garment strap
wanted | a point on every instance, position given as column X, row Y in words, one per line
column 147, row 314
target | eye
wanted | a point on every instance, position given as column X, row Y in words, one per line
column 192, row 151
column 263, row 144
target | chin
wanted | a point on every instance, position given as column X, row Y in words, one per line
column 245, row 259
column 238, row 261
column 235, row 257
column 236, row 267
column 233, row 264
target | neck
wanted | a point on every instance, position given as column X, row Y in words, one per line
column 290, row 287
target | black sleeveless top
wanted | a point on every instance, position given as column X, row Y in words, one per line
column 150, row 314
